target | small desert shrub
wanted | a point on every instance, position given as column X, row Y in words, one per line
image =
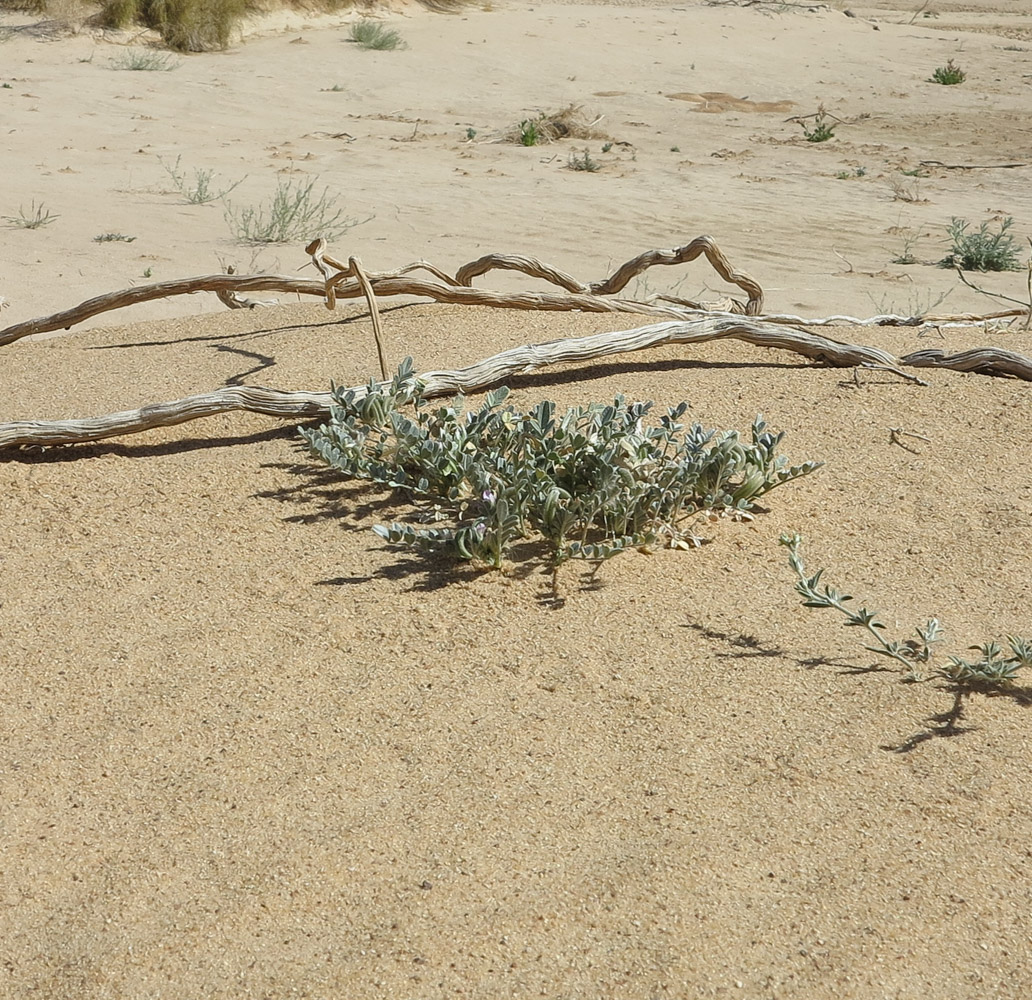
column 583, row 161
column 374, row 35
column 992, row 669
column 295, row 212
column 948, row 75
column 566, row 123
column 981, row 250
column 36, row 217
column 197, row 191
column 113, row 238
column 144, row 60
column 820, row 129
column 185, row 25
column 591, row 483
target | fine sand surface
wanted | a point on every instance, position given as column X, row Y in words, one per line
column 246, row 751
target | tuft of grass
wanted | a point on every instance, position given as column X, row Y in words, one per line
column 36, row 217
column 909, row 191
column 145, row 61
column 113, row 238
column 198, row 190
column 981, row 250
column 546, row 127
column 295, row 212
column 184, row 25
column 583, row 161
column 949, row 75
column 377, row 36
column 845, row 175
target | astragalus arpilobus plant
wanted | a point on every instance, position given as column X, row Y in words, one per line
column 591, row 482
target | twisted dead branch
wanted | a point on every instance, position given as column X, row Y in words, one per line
column 482, row 375
column 350, row 280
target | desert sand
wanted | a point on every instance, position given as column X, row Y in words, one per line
column 246, row 750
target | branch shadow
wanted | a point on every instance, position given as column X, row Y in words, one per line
column 58, row 453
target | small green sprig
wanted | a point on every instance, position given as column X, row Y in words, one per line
column 992, row 669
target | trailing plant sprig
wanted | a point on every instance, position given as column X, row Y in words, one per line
column 991, row 669
column 592, row 482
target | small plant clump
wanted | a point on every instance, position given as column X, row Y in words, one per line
column 144, row 61
column 374, row 35
column 820, row 129
column 949, row 75
column 592, row 482
column 36, row 217
column 113, row 238
column 583, row 161
column 295, row 212
column 197, row 191
column 981, row 250
column 184, row 25
column 566, row 123
column 991, row 669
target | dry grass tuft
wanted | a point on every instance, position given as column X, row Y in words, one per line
column 566, row 123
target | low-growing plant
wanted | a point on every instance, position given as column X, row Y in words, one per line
column 981, row 250
column 908, row 239
column 295, row 212
column 949, row 75
column 144, row 60
column 36, row 217
column 530, row 135
column 198, row 190
column 374, row 35
column 909, row 191
column 113, row 238
column 819, row 129
column 583, row 161
column 845, row 175
column 591, row 483
column 991, row 669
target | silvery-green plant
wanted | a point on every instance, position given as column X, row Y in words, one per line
column 991, row 670
column 592, row 482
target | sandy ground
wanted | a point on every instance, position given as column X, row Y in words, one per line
column 247, row 751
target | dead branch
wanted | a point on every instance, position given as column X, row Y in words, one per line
column 475, row 378
column 972, row 166
column 983, row 360
column 456, row 290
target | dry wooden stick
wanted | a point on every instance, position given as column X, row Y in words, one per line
column 983, row 360
column 475, row 378
column 355, row 266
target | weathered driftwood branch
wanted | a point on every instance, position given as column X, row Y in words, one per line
column 584, row 298
column 982, row 360
column 477, row 377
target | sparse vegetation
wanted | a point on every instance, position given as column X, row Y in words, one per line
column 566, row 123
column 590, row 483
column 981, row 250
column 36, row 217
column 295, row 212
column 992, row 669
column 184, row 25
column 583, row 161
column 949, row 75
column 374, row 35
column 845, row 175
column 905, row 190
column 144, row 60
column 197, row 190
column 113, row 238
column 817, row 127
column 908, row 238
